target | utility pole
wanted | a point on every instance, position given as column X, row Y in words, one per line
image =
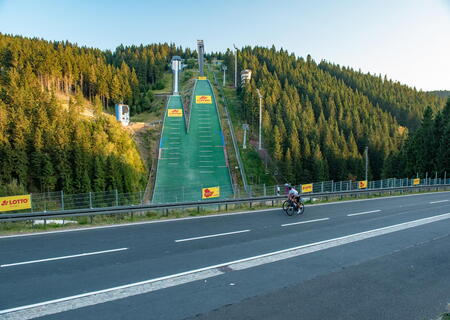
column 367, row 161
column 245, row 126
column 260, row 117
column 235, row 66
column 224, row 68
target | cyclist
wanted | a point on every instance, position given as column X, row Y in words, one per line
column 293, row 195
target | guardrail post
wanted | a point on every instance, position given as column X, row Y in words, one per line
column 62, row 200
column 90, row 199
column 117, row 198
column 332, row 185
column 340, row 189
column 350, row 184
column 264, row 186
column 321, row 188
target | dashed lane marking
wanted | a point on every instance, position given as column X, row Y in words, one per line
column 360, row 213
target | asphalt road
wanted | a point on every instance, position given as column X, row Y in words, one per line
column 371, row 259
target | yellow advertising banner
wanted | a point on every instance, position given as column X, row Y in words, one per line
column 201, row 78
column 15, row 203
column 203, row 99
column 307, row 188
column 416, row 181
column 175, row 112
column 213, row 192
column 362, row 184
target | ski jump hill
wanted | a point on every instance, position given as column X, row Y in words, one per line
column 192, row 162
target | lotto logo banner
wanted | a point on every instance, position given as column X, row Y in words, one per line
column 15, row 203
column 201, row 78
column 208, row 193
column 362, row 184
column 203, row 99
column 416, row 181
column 307, row 188
column 175, row 113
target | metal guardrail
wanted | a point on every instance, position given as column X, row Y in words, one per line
column 199, row 204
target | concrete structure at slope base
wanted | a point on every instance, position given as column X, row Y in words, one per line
column 123, row 113
column 201, row 53
column 176, row 68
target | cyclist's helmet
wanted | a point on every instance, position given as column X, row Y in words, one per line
column 287, row 185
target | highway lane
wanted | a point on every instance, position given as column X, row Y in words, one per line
column 404, row 275
column 153, row 251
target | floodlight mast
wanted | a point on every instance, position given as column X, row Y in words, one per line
column 260, row 117
column 224, row 68
column 235, row 66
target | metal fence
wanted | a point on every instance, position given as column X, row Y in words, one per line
column 59, row 201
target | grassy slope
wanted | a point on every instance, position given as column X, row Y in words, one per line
column 254, row 166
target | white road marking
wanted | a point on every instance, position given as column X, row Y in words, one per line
column 61, row 258
column 360, row 213
column 212, row 235
column 301, row 222
column 111, row 294
column 438, row 201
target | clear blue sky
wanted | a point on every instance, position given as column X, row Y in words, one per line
column 409, row 40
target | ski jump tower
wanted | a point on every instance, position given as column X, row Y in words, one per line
column 176, row 68
column 201, row 52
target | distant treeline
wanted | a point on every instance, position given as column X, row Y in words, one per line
column 125, row 75
column 318, row 118
column 441, row 93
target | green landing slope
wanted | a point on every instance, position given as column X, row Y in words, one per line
column 192, row 160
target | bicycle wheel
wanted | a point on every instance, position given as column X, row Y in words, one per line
column 285, row 205
column 301, row 208
column 290, row 210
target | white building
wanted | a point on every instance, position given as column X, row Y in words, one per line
column 246, row 76
column 123, row 114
